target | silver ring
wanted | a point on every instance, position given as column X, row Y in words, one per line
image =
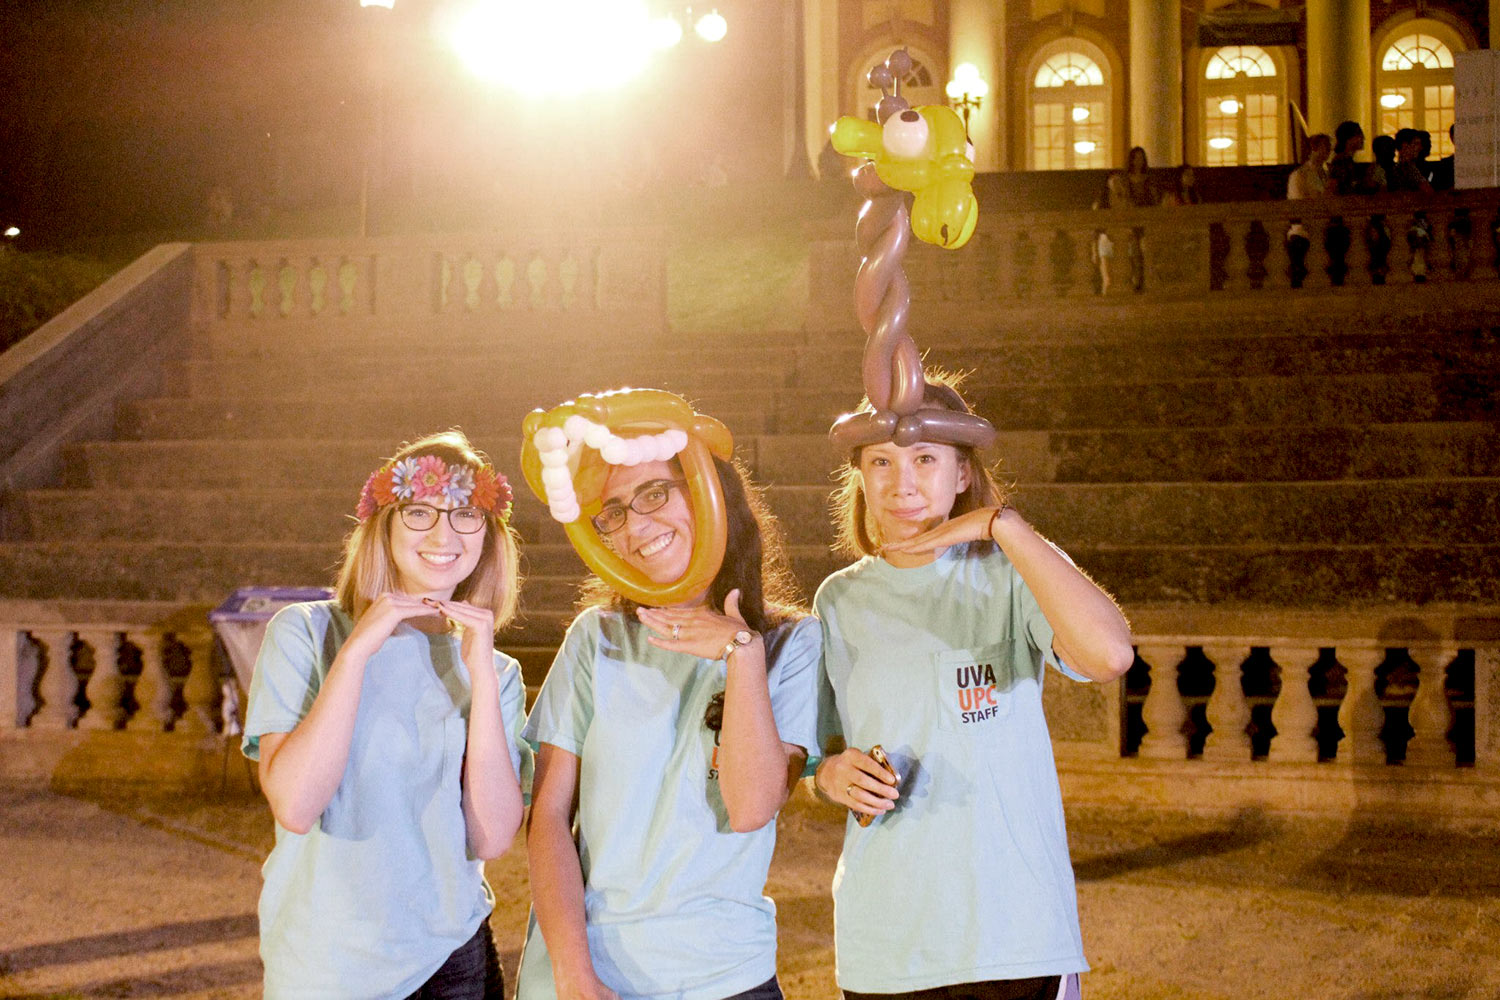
column 676, row 631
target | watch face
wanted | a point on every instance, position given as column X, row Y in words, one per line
column 744, row 637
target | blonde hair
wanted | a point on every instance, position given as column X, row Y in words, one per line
column 368, row 567
column 856, row 534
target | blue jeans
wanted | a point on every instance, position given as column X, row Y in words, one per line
column 472, row 972
column 768, row 990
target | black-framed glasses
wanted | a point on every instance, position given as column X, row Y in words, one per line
column 649, row 498
column 422, row 517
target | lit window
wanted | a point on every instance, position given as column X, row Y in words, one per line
column 1243, row 96
column 1069, row 108
column 1414, row 88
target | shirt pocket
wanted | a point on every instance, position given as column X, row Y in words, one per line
column 975, row 687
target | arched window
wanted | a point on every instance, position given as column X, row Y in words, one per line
column 1069, row 108
column 1243, row 95
column 1414, row 85
column 921, row 86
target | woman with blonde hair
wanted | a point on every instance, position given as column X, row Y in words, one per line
column 387, row 729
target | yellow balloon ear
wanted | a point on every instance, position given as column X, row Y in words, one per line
column 857, row 137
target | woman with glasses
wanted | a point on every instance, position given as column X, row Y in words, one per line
column 667, row 740
column 387, row 729
column 936, row 644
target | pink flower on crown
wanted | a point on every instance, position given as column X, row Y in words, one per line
column 431, row 480
column 404, row 475
column 367, row 505
column 460, row 485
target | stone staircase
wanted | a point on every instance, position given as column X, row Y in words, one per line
column 1301, row 462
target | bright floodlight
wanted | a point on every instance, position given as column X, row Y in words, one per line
column 557, row 48
column 1220, row 142
column 1392, row 100
column 966, row 84
column 666, row 31
column 1083, row 147
column 12, row 232
column 1080, row 113
column 387, row 4
column 712, row 27
column 1229, row 106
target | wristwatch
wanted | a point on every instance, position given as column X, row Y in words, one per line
column 743, row 637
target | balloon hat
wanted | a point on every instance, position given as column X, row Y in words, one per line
column 566, row 453
column 923, row 151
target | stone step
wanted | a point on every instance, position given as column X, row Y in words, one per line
column 1407, row 512
column 1141, row 359
column 546, row 378
column 394, row 420
column 1388, row 451
column 1307, row 576
column 1217, row 402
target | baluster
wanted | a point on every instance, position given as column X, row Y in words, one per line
column 237, row 274
column 536, row 281
column 58, row 685
column 1237, row 257
column 1278, row 262
column 106, row 686
column 319, row 287
column 153, row 689
column 286, row 280
column 1439, row 248
column 1430, row 715
column 1487, row 709
column 1358, row 257
column 1164, row 711
column 1317, row 255
column 1399, row 225
column 1228, row 711
column 28, row 664
column 1361, row 716
column 1294, row 715
column 201, row 690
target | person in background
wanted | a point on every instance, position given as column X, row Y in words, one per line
column 1310, row 180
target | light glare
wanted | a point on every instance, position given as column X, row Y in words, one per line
column 712, row 27
column 12, row 232
column 1083, row 147
column 387, row 4
column 1220, row 142
column 1080, row 113
column 1229, row 106
column 560, row 48
column 1392, row 100
column 666, row 31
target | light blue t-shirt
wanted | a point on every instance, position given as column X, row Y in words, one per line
column 374, row 898
column 673, row 898
column 943, row 666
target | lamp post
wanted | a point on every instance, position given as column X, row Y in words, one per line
column 966, row 91
column 375, row 76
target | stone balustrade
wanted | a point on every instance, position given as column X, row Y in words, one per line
column 110, row 675
column 1201, row 252
column 617, row 276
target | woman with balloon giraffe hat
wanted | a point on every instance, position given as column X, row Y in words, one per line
column 675, row 719
column 937, row 640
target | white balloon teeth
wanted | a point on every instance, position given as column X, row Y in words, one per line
column 558, row 449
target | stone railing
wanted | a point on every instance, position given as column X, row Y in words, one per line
column 616, row 277
column 108, row 667
column 1204, row 252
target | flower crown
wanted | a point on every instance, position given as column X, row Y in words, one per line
column 428, row 477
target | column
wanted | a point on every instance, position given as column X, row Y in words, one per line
column 977, row 35
column 153, row 689
column 820, row 75
column 106, row 687
column 1164, row 712
column 1228, row 711
column 1156, row 79
column 1294, row 715
column 1361, row 716
column 1430, row 716
column 1338, row 64
column 58, row 685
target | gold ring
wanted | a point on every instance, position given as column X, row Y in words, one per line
column 849, row 790
column 676, row 631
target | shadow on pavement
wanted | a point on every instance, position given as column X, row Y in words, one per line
column 95, row 946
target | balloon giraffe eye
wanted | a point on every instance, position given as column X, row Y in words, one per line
column 906, row 135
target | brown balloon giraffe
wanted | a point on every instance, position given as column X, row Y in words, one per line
column 923, row 151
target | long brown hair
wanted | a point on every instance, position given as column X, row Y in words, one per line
column 368, row 567
column 855, row 529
